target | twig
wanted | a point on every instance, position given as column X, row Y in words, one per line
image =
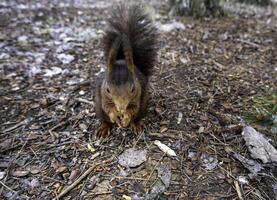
column 85, row 101
column 249, row 43
column 76, row 182
column 51, row 131
column 98, row 194
column 139, row 137
column 3, row 184
column 162, row 136
column 16, row 126
column 238, row 190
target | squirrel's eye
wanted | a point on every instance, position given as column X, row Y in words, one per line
column 108, row 90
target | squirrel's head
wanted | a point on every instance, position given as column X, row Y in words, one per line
column 121, row 86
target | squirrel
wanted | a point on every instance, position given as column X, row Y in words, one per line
column 130, row 51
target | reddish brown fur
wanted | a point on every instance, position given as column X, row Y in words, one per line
column 130, row 50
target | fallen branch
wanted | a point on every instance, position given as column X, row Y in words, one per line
column 76, row 182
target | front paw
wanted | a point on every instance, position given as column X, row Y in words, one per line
column 114, row 118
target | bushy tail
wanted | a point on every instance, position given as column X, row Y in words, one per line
column 129, row 28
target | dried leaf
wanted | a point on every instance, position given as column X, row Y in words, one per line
column 252, row 165
column 157, row 189
column 165, row 148
column 259, row 146
column 132, row 158
column 164, row 174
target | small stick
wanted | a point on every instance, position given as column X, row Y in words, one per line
column 70, row 187
column 238, row 190
column 85, row 101
column 15, row 126
column 3, row 184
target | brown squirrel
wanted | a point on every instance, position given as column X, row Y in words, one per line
column 130, row 49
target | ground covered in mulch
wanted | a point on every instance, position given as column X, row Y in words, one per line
column 209, row 75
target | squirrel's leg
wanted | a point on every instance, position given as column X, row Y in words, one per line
column 137, row 125
column 103, row 130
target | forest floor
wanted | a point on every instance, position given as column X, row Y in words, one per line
column 214, row 76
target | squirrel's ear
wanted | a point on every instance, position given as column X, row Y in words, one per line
column 128, row 53
column 112, row 54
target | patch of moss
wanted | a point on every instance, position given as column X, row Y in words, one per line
column 263, row 110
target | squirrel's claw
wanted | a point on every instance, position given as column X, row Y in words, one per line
column 103, row 130
column 137, row 127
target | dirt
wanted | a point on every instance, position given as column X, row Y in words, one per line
column 207, row 75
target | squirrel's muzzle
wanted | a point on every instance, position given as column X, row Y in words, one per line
column 121, row 107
